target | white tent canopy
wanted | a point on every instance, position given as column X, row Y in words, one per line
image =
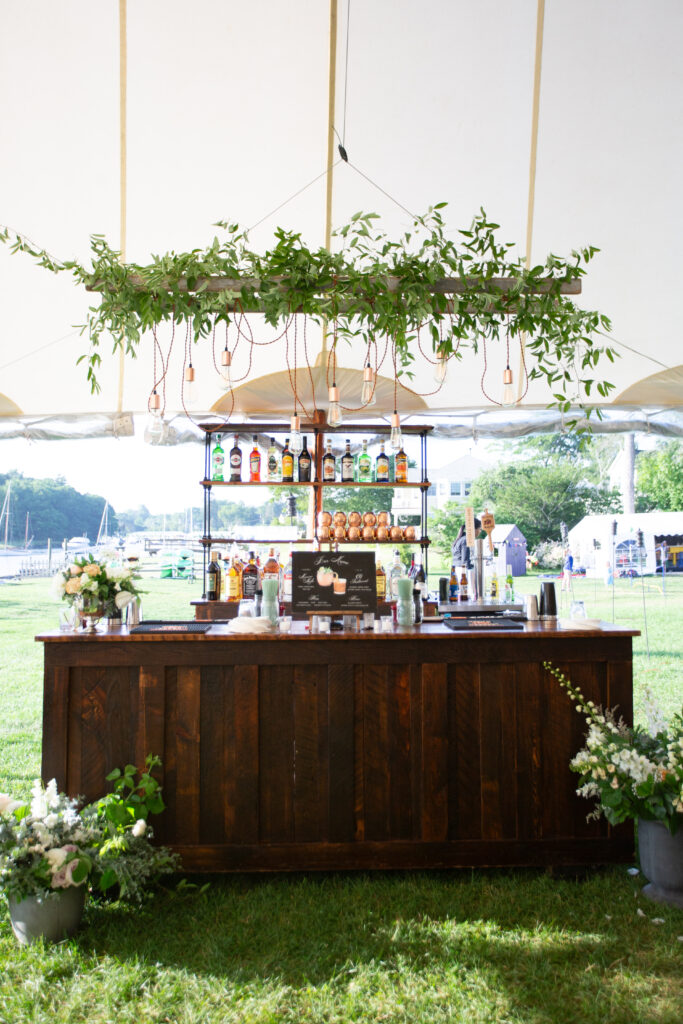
column 226, row 118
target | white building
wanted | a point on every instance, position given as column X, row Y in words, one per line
column 453, row 482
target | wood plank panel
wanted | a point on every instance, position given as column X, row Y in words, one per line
column 376, row 779
column 56, row 704
column 497, row 726
column 416, row 749
column 464, row 752
column 358, row 752
column 558, row 749
column 276, row 754
column 591, row 679
column 434, row 752
column 243, row 791
column 529, row 743
column 342, row 754
column 216, row 752
column 74, row 786
column 400, row 774
column 309, row 817
column 187, row 745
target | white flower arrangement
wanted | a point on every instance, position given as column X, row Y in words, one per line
column 632, row 772
column 90, row 583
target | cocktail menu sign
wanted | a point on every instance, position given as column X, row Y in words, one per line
column 334, row 582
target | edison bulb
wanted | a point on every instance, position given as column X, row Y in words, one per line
column 367, row 394
column 154, row 427
column 189, row 386
column 508, row 390
column 226, row 370
column 395, row 438
column 334, row 413
column 441, row 369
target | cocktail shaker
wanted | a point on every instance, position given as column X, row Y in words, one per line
column 548, row 602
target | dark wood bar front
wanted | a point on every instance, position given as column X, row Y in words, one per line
column 421, row 749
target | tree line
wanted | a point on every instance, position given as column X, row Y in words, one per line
column 55, row 511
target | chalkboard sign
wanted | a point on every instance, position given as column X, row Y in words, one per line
column 334, row 582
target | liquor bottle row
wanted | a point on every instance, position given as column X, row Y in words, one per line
column 235, row 578
column 288, row 466
column 458, row 586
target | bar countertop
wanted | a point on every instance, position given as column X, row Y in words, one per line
column 431, row 631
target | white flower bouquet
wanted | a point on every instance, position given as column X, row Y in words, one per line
column 632, row 772
column 91, row 584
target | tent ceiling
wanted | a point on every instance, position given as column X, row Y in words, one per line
column 453, row 123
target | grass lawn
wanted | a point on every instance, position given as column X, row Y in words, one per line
column 480, row 946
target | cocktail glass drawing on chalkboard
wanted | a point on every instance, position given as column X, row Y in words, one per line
column 325, row 576
column 339, row 584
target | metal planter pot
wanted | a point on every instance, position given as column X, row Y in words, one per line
column 661, row 861
column 53, row 919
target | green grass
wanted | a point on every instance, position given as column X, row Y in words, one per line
column 519, row 947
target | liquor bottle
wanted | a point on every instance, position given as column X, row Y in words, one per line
column 234, row 582
column 381, row 578
column 250, row 577
column 364, row 466
column 329, row 464
column 213, row 578
column 494, row 586
column 509, row 586
column 273, row 461
column 382, row 467
column 287, row 464
column 417, row 605
column 453, row 585
column 413, row 568
column 235, row 462
column 463, row 585
column 255, row 463
column 271, row 568
column 347, row 465
column 401, row 467
column 305, row 463
column 420, row 580
column 217, row 460
column 395, row 574
column 287, row 581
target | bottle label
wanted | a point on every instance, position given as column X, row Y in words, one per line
column 287, row 588
column 255, row 465
column 249, row 585
column 328, row 470
column 347, row 470
column 382, row 471
column 381, row 587
column 211, row 586
column 304, row 465
column 233, row 588
column 272, row 464
column 235, row 460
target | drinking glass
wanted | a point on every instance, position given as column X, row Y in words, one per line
column 577, row 610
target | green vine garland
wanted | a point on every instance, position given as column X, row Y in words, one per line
column 371, row 287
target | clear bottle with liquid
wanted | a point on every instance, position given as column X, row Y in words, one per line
column 509, row 586
column 395, row 574
column 273, row 461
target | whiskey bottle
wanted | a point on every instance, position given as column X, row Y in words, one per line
column 401, row 467
column 235, row 462
column 255, row 463
column 382, row 467
column 234, row 583
column 271, row 568
column 329, row 464
column 305, row 463
column 213, row 578
column 217, row 460
column 287, row 464
column 250, row 577
column 347, row 465
column 381, row 578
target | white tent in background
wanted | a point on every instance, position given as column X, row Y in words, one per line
column 595, row 546
column 226, row 117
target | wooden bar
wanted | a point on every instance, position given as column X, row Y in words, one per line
column 422, row 748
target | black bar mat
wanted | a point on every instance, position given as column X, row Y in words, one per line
column 172, row 627
column 481, row 623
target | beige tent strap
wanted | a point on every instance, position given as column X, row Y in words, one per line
column 540, row 16
column 330, row 139
column 123, row 81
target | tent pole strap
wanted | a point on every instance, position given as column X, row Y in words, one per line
column 330, row 137
column 540, row 17
column 123, row 86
